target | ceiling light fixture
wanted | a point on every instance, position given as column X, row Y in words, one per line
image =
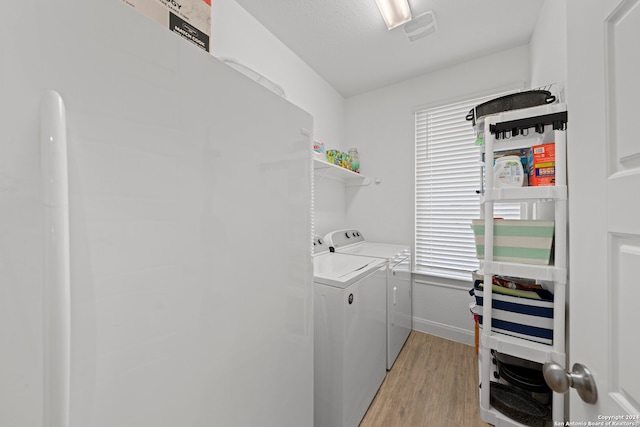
column 394, row 12
column 421, row 26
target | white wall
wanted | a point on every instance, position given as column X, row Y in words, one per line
column 329, row 206
column 548, row 45
column 381, row 125
column 238, row 35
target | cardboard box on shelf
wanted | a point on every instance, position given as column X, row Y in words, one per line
column 191, row 19
column 542, row 165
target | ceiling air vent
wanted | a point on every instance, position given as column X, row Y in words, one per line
column 421, row 26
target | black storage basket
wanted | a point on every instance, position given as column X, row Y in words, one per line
column 514, row 101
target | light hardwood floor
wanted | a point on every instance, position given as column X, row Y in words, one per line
column 434, row 382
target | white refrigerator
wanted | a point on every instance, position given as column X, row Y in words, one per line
column 139, row 282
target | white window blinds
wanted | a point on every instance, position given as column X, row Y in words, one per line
column 448, row 177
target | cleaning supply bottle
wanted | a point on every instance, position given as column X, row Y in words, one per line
column 318, row 146
column 508, row 172
column 355, row 160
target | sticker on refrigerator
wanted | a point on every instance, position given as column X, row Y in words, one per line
column 191, row 19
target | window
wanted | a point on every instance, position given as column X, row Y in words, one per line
column 448, row 179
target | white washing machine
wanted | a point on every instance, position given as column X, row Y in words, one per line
column 349, row 335
column 398, row 258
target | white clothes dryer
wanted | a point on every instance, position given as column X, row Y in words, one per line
column 399, row 296
column 349, row 335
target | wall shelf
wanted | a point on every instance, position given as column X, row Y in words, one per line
column 328, row 170
column 524, row 349
column 526, row 193
column 492, row 416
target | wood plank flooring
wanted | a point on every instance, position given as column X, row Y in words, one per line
column 434, row 382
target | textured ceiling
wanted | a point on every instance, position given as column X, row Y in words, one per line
column 348, row 44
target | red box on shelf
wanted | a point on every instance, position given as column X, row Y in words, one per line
column 542, row 165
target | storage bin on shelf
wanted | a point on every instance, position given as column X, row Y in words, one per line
column 340, row 158
column 523, row 314
column 519, row 241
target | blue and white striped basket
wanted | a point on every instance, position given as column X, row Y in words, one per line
column 530, row 317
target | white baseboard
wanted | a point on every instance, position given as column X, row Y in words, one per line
column 441, row 330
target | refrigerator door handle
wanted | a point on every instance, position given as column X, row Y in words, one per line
column 57, row 274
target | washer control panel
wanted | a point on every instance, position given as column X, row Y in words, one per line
column 319, row 245
column 341, row 238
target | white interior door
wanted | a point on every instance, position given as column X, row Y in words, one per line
column 603, row 91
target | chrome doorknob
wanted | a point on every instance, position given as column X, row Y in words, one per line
column 580, row 378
